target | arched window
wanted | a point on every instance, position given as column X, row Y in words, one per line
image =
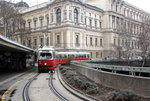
column 58, row 16
column 75, row 16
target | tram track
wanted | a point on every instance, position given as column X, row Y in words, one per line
column 61, row 97
column 25, row 94
column 47, row 87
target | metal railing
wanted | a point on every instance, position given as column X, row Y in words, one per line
column 114, row 68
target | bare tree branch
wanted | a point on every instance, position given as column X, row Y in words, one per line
column 10, row 18
column 144, row 40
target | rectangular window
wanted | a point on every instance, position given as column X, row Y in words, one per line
column 24, row 42
column 29, row 24
column 47, row 41
column 95, row 24
column 138, row 45
column 113, row 21
column 91, row 41
column 85, row 20
column 126, row 44
column 114, row 42
column 35, row 25
column 77, row 40
column 35, row 43
column 24, row 26
column 116, row 7
column 29, row 43
column 118, row 42
column 70, row 15
column 90, row 20
column 122, row 42
column 41, row 22
column 41, row 42
column 58, row 39
column 51, row 17
column 95, row 41
column 86, row 42
column 90, row 14
column 47, row 21
column 101, row 42
column 100, row 17
column 65, row 15
column 132, row 45
column 100, row 24
column 135, row 45
column 82, row 17
column 118, row 22
column 129, row 43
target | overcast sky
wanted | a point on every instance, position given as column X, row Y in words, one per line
column 143, row 4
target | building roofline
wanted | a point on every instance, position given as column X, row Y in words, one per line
column 137, row 8
column 45, row 4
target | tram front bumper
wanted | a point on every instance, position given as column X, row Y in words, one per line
column 46, row 67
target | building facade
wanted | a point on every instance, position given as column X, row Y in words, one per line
column 82, row 25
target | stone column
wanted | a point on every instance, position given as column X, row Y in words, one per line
column 110, row 21
column 67, row 39
column 61, row 39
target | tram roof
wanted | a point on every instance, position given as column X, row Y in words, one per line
column 11, row 46
column 73, row 53
column 46, row 48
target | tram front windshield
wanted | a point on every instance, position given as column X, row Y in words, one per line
column 45, row 56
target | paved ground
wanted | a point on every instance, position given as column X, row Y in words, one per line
column 40, row 91
column 12, row 85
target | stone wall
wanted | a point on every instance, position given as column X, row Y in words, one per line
column 139, row 85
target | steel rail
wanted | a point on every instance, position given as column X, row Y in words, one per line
column 25, row 94
column 61, row 97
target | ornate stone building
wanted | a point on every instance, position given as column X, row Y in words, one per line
column 82, row 25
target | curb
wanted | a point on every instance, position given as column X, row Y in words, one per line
column 73, row 90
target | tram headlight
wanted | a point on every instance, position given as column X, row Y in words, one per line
column 45, row 63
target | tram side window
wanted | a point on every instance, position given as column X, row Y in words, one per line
column 84, row 56
column 57, row 56
column 81, row 56
column 88, row 56
column 45, row 56
column 72, row 55
column 78, row 56
column 65, row 56
column 54, row 55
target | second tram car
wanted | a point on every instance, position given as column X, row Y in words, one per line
column 76, row 56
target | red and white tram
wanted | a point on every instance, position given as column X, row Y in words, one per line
column 48, row 58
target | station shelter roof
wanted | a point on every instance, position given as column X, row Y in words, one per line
column 11, row 46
